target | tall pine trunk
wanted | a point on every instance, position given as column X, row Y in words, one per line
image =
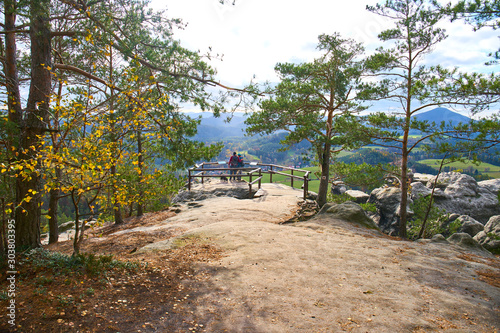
column 54, row 210
column 325, row 175
column 403, row 213
column 324, row 157
column 33, row 127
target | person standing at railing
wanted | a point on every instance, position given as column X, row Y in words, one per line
column 233, row 164
column 241, row 164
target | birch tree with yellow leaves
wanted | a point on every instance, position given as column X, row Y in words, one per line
column 82, row 117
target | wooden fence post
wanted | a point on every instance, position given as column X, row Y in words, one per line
column 260, row 177
column 202, row 173
column 291, row 178
column 306, row 183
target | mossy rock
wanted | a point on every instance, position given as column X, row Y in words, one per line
column 349, row 211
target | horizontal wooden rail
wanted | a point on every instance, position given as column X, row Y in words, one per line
column 288, row 175
column 258, row 179
column 204, row 169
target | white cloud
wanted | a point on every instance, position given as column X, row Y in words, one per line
column 254, row 35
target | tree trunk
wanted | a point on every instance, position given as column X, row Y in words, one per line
column 140, row 204
column 54, row 210
column 404, row 196
column 431, row 198
column 404, row 176
column 10, row 67
column 55, row 192
column 325, row 175
column 117, row 207
column 76, row 243
column 37, row 112
column 130, row 209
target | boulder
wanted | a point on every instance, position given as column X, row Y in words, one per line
column 458, row 185
column 358, row 196
column 447, row 178
column 489, row 238
column 469, row 225
column 439, row 193
column 312, row 195
column 461, row 194
column 438, row 239
column 492, row 185
column 455, row 193
column 239, row 192
column 422, row 177
column 464, row 240
column 387, row 200
column 419, row 190
column 350, row 212
column 338, row 187
column 63, row 227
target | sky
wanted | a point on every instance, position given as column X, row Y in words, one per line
column 254, row 35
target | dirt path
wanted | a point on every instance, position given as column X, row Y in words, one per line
column 325, row 275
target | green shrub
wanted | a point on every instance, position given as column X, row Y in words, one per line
column 339, row 198
column 436, row 219
column 62, row 264
column 4, row 296
column 90, row 291
column 369, row 207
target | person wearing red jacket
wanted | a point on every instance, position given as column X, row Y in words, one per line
column 233, row 163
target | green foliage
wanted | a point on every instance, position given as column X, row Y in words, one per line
column 90, row 291
column 119, row 80
column 480, row 13
column 339, row 198
column 344, row 197
column 369, row 156
column 316, row 101
column 39, row 291
column 364, row 175
column 42, row 280
column 4, row 296
column 61, row 264
column 64, row 301
column 403, row 79
column 452, row 227
column 369, row 207
column 435, row 220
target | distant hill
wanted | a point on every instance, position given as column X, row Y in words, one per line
column 439, row 115
column 217, row 129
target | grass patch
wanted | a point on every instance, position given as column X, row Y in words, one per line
column 313, row 184
column 484, row 168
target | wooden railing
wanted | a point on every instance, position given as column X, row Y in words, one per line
column 210, row 169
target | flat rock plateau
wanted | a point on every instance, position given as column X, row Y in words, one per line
column 321, row 275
